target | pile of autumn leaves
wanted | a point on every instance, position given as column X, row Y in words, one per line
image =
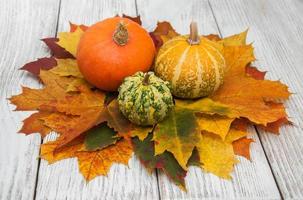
column 207, row 133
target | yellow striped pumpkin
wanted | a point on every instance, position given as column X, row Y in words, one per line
column 192, row 64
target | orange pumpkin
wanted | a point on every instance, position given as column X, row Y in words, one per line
column 113, row 49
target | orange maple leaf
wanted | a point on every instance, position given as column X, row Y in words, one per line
column 241, row 147
column 246, row 95
column 34, row 124
column 91, row 163
column 96, row 163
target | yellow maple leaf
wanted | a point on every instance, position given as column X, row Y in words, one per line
column 96, row 163
column 235, row 40
column 67, row 67
column 70, row 40
column 216, row 124
column 217, row 156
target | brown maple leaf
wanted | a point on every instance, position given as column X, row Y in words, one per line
column 41, row 64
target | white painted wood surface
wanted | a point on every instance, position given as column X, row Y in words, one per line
column 276, row 27
column 62, row 180
column 22, row 24
column 248, row 179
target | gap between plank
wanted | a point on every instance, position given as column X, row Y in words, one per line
column 271, row 170
column 258, row 134
column 41, row 141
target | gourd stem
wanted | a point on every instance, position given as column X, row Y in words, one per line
column 146, row 79
column 121, row 34
column 193, row 36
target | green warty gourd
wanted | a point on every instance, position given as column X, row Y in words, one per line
column 145, row 99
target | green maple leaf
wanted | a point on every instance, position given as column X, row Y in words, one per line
column 180, row 133
column 100, row 137
column 145, row 151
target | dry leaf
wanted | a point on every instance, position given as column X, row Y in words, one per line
column 216, row 156
column 32, row 99
column 242, row 147
column 216, row 124
column 56, row 50
column 34, row 124
column 179, row 134
column 70, row 40
column 81, row 112
column 145, row 151
column 41, row 64
column 49, row 154
column 67, row 67
column 96, row 163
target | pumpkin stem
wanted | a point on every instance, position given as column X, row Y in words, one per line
column 121, row 34
column 193, row 36
column 146, row 79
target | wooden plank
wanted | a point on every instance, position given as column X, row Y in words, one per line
column 62, row 180
column 22, row 24
column 276, row 29
column 249, row 180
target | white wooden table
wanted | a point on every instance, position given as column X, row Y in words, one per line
column 276, row 170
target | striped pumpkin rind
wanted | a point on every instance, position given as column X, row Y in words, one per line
column 145, row 104
column 193, row 70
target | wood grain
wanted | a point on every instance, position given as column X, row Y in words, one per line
column 22, row 24
column 276, row 27
column 62, row 180
column 251, row 180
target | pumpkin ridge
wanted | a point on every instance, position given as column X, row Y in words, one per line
column 167, row 51
column 177, row 71
column 197, row 89
column 215, row 67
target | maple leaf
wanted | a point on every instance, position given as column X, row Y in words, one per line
column 239, row 90
column 32, row 99
column 274, row 127
column 115, row 119
column 194, row 159
column 145, row 151
column 69, row 40
column 51, row 155
column 163, row 32
column 216, row 124
column 241, row 147
column 34, row 124
column 139, row 131
column 100, row 137
column 74, row 27
column 56, row 50
column 254, row 72
column 235, row 40
column 96, row 163
column 67, row 67
column 91, row 163
column 179, row 133
column 217, row 156
column 81, row 112
column 119, row 123
column 41, row 64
